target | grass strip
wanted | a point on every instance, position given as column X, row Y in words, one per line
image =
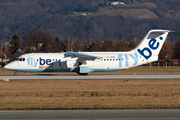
column 89, row 94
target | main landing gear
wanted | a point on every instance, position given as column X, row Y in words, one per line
column 85, row 74
column 15, row 73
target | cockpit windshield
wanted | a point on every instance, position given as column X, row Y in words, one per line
column 17, row 59
column 20, row 59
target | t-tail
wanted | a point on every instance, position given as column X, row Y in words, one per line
column 151, row 45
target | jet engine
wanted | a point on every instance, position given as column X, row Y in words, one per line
column 70, row 64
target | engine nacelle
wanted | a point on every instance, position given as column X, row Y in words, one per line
column 71, row 64
column 83, row 69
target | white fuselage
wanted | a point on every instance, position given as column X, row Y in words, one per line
column 57, row 62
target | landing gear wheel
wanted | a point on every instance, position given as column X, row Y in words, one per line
column 85, row 74
column 15, row 73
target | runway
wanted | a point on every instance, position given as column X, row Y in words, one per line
column 89, row 77
column 153, row 114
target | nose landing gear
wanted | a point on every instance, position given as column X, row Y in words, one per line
column 15, row 74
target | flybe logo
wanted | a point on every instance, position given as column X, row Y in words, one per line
column 33, row 62
column 147, row 51
column 126, row 57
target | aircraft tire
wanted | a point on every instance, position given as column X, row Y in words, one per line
column 85, row 74
column 15, row 74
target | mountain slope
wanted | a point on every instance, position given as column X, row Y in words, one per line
column 105, row 21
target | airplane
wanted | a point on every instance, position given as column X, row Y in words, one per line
column 85, row 62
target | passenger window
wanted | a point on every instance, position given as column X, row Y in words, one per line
column 23, row 59
column 104, row 59
column 107, row 59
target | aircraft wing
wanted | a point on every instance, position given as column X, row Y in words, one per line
column 81, row 55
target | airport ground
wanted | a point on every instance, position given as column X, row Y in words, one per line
column 137, row 70
column 92, row 94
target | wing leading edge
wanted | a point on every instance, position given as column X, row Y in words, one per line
column 81, row 55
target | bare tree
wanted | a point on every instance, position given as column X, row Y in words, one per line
column 166, row 52
column 58, row 45
column 108, row 45
column 94, row 47
column 121, row 45
column 177, row 49
column 82, row 44
column 38, row 41
column 70, row 43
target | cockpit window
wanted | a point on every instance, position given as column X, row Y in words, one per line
column 20, row 59
column 17, row 59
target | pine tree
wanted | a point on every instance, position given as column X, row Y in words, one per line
column 15, row 43
column 3, row 49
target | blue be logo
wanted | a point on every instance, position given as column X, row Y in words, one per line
column 153, row 45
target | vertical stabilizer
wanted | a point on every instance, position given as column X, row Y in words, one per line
column 151, row 45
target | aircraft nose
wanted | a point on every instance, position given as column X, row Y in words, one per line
column 7, row 66
column 10, row 66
